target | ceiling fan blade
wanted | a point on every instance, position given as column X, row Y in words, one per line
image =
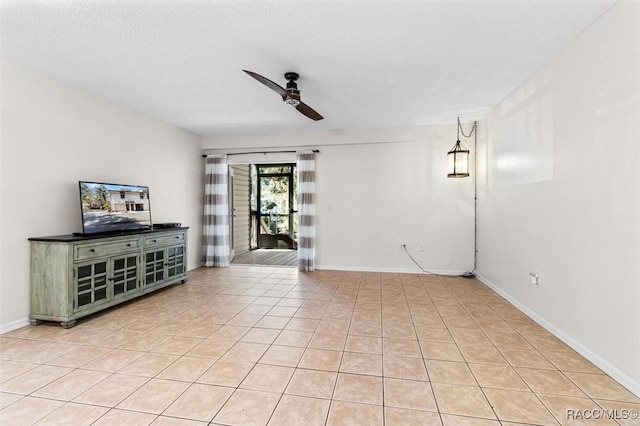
column 308, row 111
column 270, row 84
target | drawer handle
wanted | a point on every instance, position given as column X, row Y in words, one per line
column 178, row 236
column 155, row 241
column 128, row 244
column 92, row 250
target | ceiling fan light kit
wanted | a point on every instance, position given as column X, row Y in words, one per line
column 290, row 95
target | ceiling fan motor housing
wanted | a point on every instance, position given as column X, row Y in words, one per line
column 293, row 97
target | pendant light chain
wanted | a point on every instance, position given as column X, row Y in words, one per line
column 461, row 130
column 475, row 197
column 474, row 132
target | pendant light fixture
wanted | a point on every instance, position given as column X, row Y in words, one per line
column 458, row 158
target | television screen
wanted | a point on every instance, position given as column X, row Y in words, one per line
column 108, row 207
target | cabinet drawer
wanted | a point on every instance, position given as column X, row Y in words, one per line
column 150, row 241
column 89, row 251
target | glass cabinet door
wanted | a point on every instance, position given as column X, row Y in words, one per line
column 154, row 267
column 92, row 283
column 125, row 274
column 175, row 261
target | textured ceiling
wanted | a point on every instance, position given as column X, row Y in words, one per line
column 362, row 64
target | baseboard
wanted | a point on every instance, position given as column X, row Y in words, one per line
column 14, row 325
column 595, row 359
column 389, row 270
column 258, row 265
column 196, row 266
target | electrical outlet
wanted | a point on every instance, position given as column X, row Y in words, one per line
column 449, row 261
column 421, row 247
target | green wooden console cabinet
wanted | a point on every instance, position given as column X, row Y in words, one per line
column 75, row 276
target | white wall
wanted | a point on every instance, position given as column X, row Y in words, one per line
column 561, row 195
column 377, row 189
column 54, row 135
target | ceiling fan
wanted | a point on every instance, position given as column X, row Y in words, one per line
column 290, row 95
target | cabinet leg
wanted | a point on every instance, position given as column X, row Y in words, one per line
column 68, row 324
column 35, row 321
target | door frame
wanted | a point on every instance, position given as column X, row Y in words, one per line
column 232, row 214
column 257, row 214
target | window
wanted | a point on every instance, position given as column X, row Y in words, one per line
column 122, row 195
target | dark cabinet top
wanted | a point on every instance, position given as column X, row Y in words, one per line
column 69, row 238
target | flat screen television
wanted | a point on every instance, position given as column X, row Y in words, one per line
column 112, row 208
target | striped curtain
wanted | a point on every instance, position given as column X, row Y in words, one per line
column 215, row 250
column 306, row 210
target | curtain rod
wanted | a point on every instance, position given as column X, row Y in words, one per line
column 263, row 152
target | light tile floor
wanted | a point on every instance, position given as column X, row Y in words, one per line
column 258, row 345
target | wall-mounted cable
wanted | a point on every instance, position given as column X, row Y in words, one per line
column 474, row 131
column 404, row 246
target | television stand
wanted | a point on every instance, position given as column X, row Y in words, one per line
column 73, row 276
